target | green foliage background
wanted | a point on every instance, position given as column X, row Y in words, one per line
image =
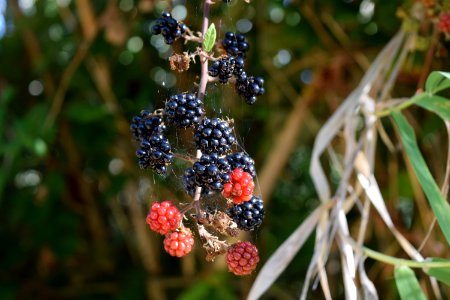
column 72, row 199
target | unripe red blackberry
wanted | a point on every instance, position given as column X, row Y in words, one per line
column 240, row 187
column 444, row 23
column 179, row 243
column 242, row 258
column 163, row 217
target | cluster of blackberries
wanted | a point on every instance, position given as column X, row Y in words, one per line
column 250, row 88
column 170, row 28
column 154, row 151
column 242, row 161
column 210, row 172
column 235, row 44
column 248, row 215
column 214, row 136
column 226, row 67
column 184, row 110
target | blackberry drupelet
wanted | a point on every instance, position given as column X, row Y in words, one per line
column 235, row 44
column 184, row 110
column 243, row 161
column 155, row 153
column 248, row 215
column 170, row 28
column 250, row 88
column 145, row 125
column 214, row 136
column 210, row 172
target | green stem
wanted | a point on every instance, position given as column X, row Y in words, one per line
column 403, row 262
column 401, row 106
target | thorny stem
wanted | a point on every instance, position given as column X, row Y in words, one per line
column 201, row 94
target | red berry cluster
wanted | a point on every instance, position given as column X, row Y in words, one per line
column 444, row 23
column 165, row 218
column 240, row 187
column 242, row 258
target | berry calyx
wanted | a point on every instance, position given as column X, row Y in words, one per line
column 248, row 215
column 179, row 243
column 240, row 187
column 163, row 217
column 444, row 23
column 242, row 258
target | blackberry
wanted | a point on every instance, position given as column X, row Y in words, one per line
column 235, row 44
column 250, row 88
column 190, row 184
column 145, row 125
column 248, row 215
column 226, row 67
column 210, row 172
column 170, row 28
column 214, row 136
column 184, row 110
column 243, row 161
column 155, row 153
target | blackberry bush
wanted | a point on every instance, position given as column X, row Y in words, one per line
column 216, row 171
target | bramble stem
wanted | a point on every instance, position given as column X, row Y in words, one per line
column 403, row 105
column 201, row 94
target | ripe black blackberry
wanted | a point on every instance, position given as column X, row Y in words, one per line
column 155, row 153
column 214, row 136
column 184, row 110
column 170, row 28
column 145, row 125
column 190, row 185
column 243, row 161
column 250, row 88
column 235, row 44
column 248, row 215
column 226, row 67
column 210, row 172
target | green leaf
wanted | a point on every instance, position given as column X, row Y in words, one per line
column 440, row 207
column 438, row 105
column 210, row 38
column 441, row 274
column 437, row 81
column 407, row 285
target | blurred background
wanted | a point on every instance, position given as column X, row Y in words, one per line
column 73, row 200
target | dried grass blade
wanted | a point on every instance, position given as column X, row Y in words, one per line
column 285, row 253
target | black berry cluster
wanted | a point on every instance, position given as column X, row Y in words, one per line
column 248, row 215
column 226, row 67
column 155, row 152
column 184, row 110
column 210, row 172
column 214, row 136
column 170, row 28
column 235, row 44
column 190, row 184
column 242, row 161
column 146, row 124
column 250, row 88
